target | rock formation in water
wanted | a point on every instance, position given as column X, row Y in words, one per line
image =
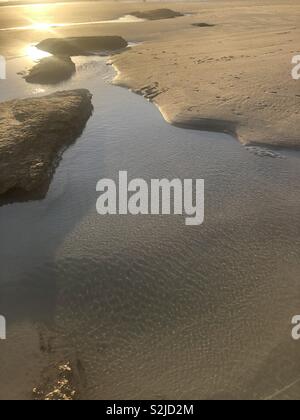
column 157, row 14
column 203, row 25
column 82, row 45
column 51, row 70
column 34, row 131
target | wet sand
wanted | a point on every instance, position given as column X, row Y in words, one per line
column 233, row 77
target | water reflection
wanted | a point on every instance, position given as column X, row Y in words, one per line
column 48, row 27
column 34, row 53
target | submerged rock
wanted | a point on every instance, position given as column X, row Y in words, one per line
column 82, row 45
column 157, row 14
column 264, row 152
column 51, row 70
column 59, row 385
column 33, row 132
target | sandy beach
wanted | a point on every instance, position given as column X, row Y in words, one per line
column 233, row 77
column 141, row 306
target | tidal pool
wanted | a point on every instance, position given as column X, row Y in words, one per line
column 146, row 306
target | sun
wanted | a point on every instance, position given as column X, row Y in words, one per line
column 41, row 26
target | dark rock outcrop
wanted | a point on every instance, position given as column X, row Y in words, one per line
column 82, row 45
column 51, row 70
column 33, row 132
column 157, row 14
column 203, row 25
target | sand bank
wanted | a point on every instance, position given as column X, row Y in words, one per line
column 233, row 77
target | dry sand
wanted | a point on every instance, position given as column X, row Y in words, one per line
column 234, row 76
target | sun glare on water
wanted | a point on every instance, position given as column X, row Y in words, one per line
column 41, row 26
column 35, row 54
